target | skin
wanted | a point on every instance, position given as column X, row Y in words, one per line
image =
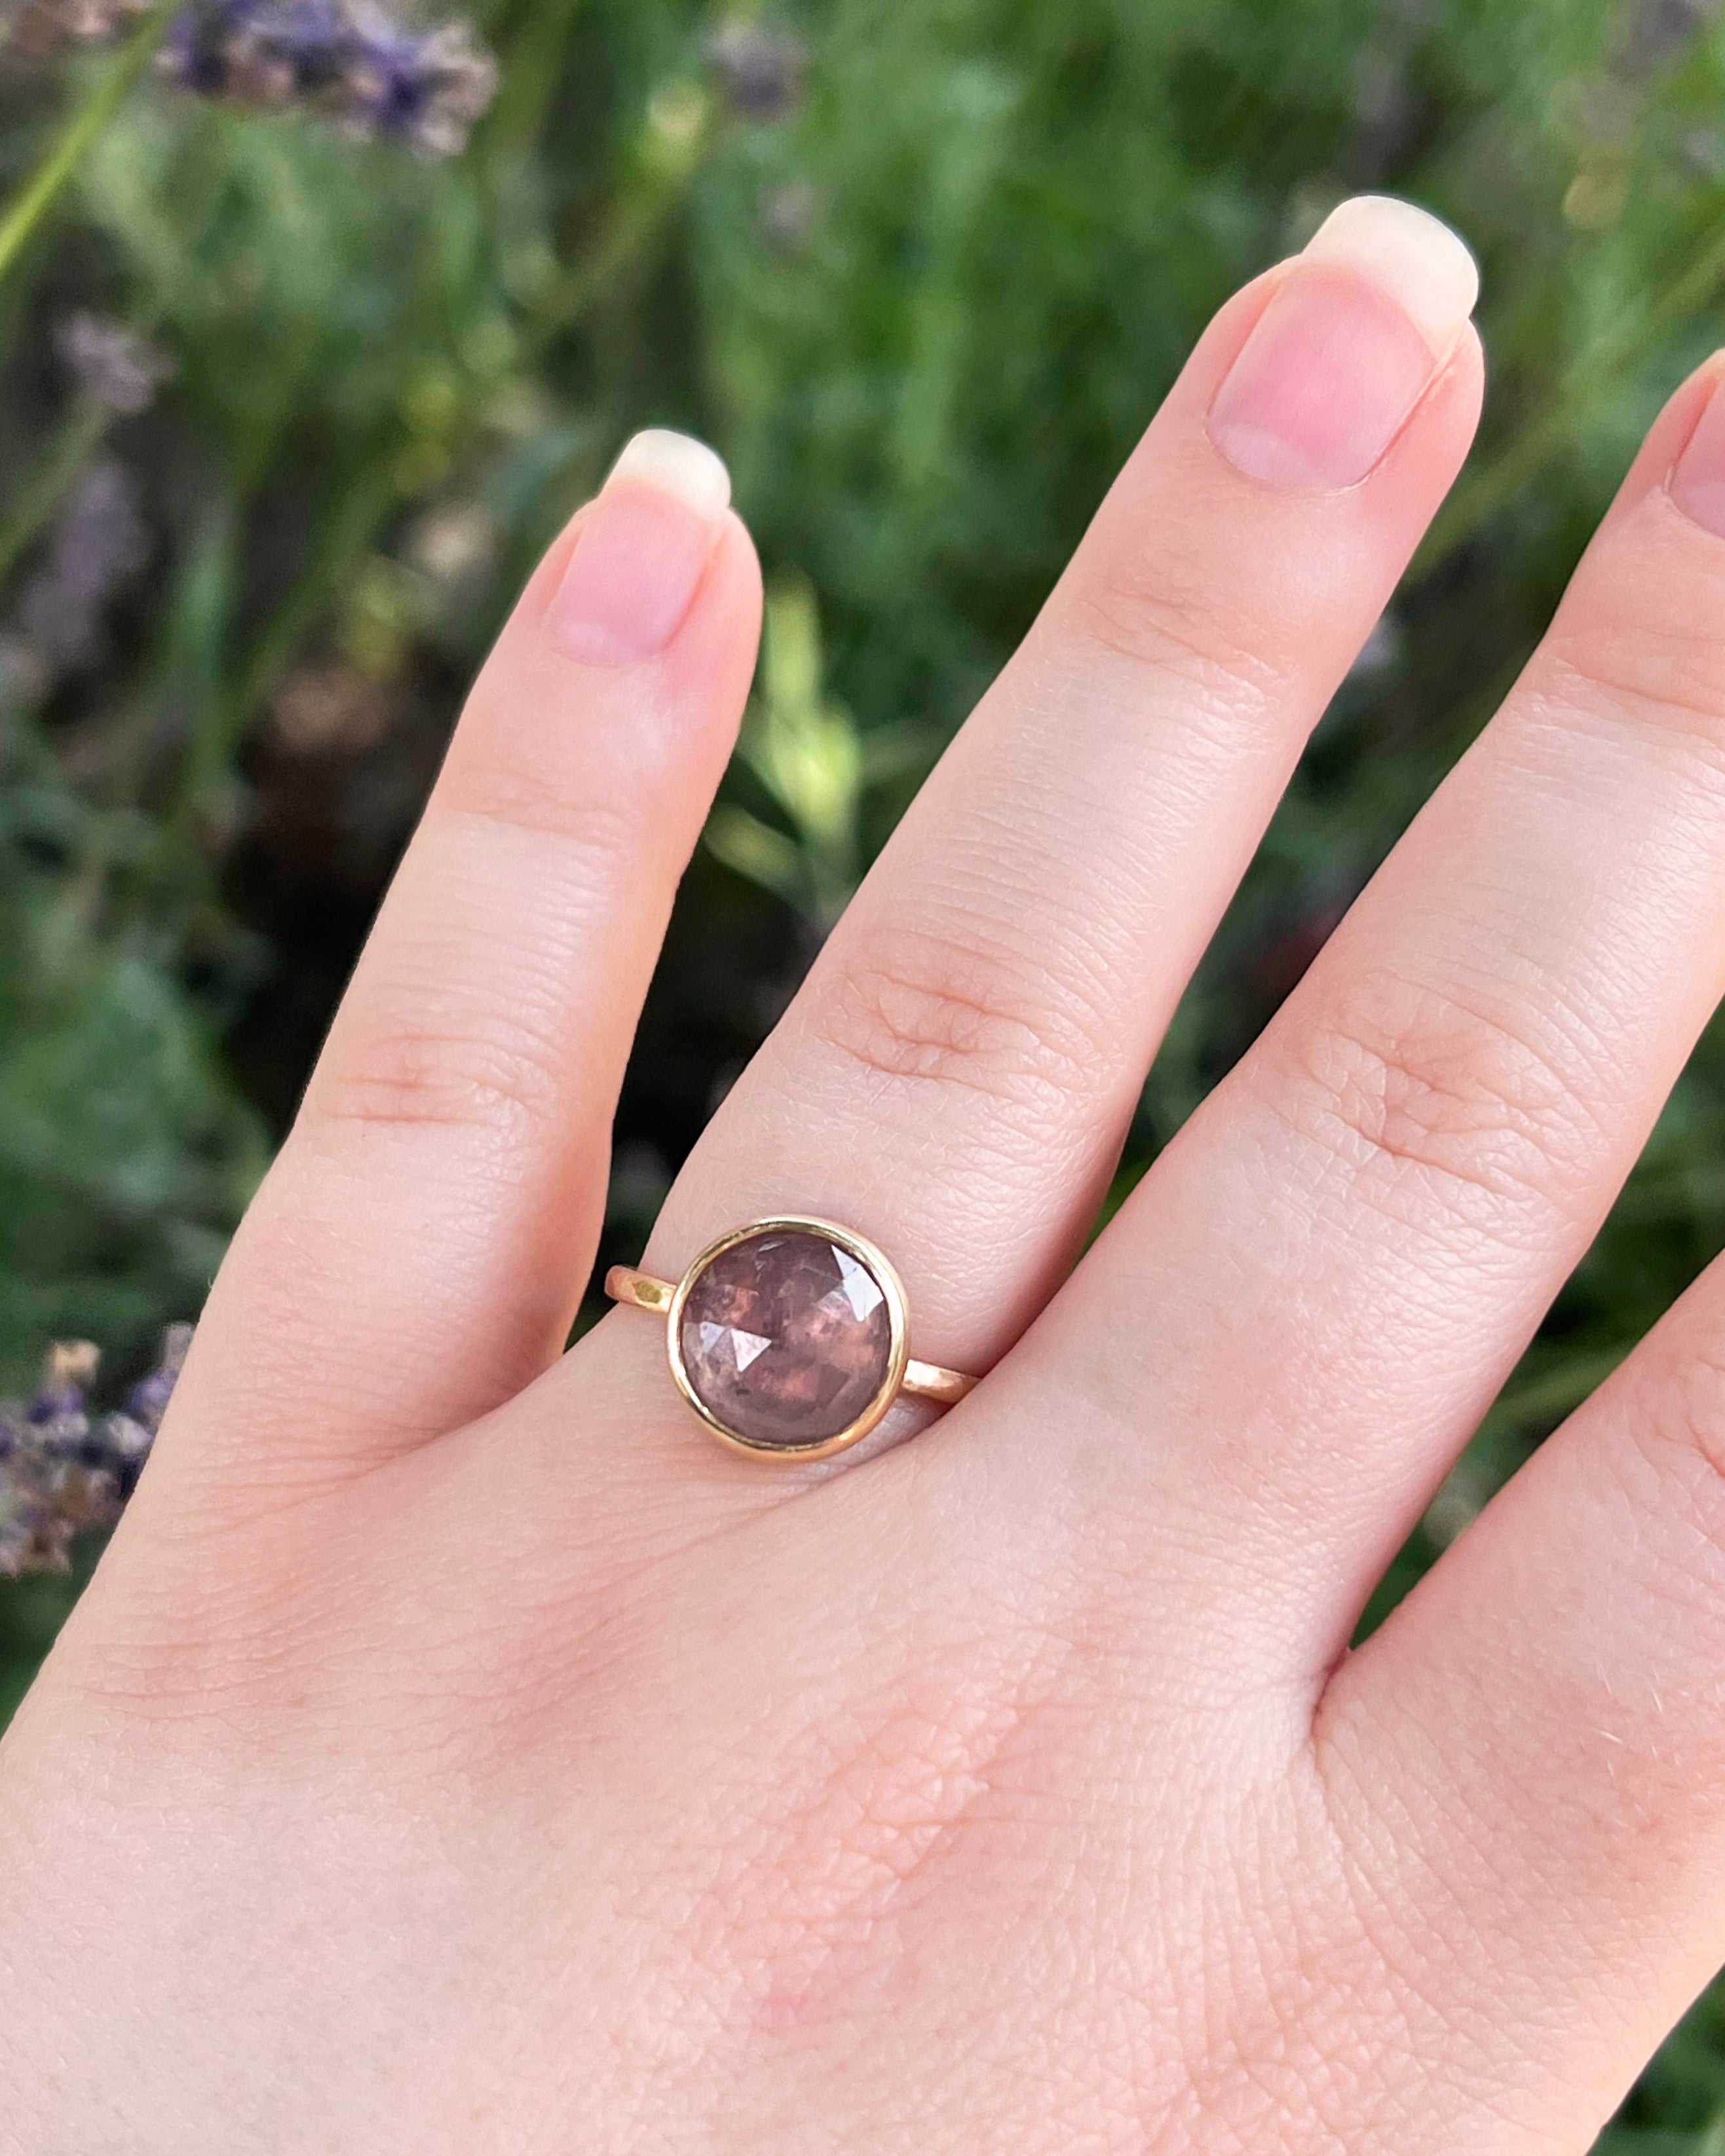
column 456, row 1751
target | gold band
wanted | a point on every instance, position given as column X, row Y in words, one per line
column 921, row 1381
column 766, row 1417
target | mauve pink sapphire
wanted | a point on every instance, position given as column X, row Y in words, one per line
column 785, row 1337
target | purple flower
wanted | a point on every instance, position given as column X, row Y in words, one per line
column 342, row 57
column 111, row 363
column 761, row 68
column 98, row 542
column 148, row 1401
column 43, row 26
column 62, row 1472
column 67, row 1369
column 346, row 60
column 1656, row 29
column 428, row 90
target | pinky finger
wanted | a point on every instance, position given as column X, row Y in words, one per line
column 1536, row 1738
column 417, row 1252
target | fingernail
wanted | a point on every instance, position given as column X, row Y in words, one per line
column 1341, row 356
column 642, row 551
column 1697, row 480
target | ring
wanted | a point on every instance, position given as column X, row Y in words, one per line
column 789, row 1338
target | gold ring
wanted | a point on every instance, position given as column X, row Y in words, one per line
column 789, row 1338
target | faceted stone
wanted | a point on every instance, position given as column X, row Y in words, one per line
column 785, row 1337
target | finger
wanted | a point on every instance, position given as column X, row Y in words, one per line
column 1536, row 1738
column 417, row 1251
column 955, row 1077
column 1335, row 1264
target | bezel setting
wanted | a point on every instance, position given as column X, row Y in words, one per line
column 866, row 1254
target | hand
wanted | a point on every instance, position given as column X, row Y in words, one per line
column 460, row 1751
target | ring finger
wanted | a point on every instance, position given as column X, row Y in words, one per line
column 955, row 1077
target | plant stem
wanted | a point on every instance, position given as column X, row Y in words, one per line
column 1551, row 1393
column 1588, row 385
column 193, row 673
column 43, row 490
column 34, row 199
column 362, row 507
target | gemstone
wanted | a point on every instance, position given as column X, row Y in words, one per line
column 786, row 1338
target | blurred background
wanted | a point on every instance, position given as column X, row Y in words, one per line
column 316, row 322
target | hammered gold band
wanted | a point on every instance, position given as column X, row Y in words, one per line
column 788, row 1337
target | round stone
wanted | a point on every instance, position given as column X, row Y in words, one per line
column 785, row 1337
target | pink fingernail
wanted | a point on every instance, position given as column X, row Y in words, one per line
column 1697, row 480
column 642, row 552
column 1346, row 347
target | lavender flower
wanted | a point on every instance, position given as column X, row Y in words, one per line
column 98, row 542
column 64, row 1473
column 43, row 25
column 762, row 70
column 1655, row 30
column 117, row 366
column 345, row 59
column 148, row 1401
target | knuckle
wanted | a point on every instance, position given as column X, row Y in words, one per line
column 1411, row 1085
column 1662, row 671
column 1651, row 1448
column 1141, row 617
column 917, row 1007
column 1674, row 1411
column 499, row 1078
column 498, row 795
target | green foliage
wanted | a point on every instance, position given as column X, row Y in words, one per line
column 125, row 1150
column 924, row 309
column 815, row 769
